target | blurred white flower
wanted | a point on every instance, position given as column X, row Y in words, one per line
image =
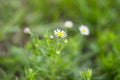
column 51, row 36
column 26, row 30
column 60, row 33
column 84, row 30
column 68, row 24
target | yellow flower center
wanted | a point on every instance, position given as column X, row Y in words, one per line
column 83, row 30
column 60, row 34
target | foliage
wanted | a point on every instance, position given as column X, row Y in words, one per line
column 19, row 59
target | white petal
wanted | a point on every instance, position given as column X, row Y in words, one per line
column 55, row 32
column 58, row 30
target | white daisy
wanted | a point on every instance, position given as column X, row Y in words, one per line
column 60, row 33
column 84, row 30
column 68, row 24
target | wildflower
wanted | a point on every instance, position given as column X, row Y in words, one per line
column 26, row 30
column 51, row 37
column 60, row 33
column 84, row 30
column 68, row 24
column 65, row 41
column 57, row 52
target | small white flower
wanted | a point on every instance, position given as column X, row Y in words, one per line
column 26, row 30
column 51, row 36
column 84, row 30
column 60, row 33
column 68, row 24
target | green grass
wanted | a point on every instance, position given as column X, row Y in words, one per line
column 99, row 51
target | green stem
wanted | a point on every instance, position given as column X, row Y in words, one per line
column 54, row 60
column 53, row 74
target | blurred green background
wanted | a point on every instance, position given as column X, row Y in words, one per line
column 99, row 51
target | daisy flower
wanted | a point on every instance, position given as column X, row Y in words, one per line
column 84, row 30
column 60, row 33
column 68, row 24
